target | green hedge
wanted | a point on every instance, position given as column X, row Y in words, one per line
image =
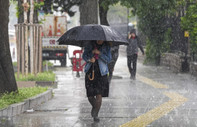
column 23, row 93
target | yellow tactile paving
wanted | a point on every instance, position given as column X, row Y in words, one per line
column 175, row 101
column 151, row 82
column 156, row 113
column 175, row 96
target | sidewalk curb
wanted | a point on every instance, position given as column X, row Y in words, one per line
column 30, row 103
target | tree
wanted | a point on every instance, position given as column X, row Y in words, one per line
column 89, row 12
column 60, row 5
column 20, row 12
column 104, row 8
column 153, row 23
column 7, row 78
column 48, row 6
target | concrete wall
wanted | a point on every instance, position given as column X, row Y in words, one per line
column 173, row 61
column 193, row 68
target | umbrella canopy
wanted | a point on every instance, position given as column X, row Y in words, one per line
column 81, row 35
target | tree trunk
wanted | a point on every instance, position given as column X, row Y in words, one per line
column 31, row 37
column 21, row 14
column 89, row 12
column 36, row 17
column 103, row 14
column 20, row 17
column 35, row 14
column 7, row 79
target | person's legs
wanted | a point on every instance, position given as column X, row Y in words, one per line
column 92, row 101
column 97, row 107
column 111, row 69
column 134, row 66
column 114, row 54
column 129, row 63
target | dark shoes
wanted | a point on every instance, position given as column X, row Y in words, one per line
column 96, row 119
column 132, row 77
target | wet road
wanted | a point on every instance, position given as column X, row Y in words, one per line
column 157, row 98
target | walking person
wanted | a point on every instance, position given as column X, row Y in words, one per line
column 111, row 65
column 132, row 53
column 97, row 56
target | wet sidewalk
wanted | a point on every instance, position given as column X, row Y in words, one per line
column 157, row 98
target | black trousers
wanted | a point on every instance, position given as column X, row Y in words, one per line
column 132, row 64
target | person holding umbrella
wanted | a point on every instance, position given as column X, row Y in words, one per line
column 97, row 56
column 132, row 53
column 95, row 39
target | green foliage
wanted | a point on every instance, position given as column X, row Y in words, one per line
column 150, row 53
column 52, row 5
column 23, row 93
column 43, row 63
column 14, row 64
column 106, row 3
column 45, row 76
column 189, row 23
column 13, row 1
column 167, row 41
column 37, row 5
column 152, row 22
column 19, row 10
column 154, row 50
column 49, row 63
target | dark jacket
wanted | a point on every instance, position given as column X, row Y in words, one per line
column 132, row 48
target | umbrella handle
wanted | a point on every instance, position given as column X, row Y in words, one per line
column 92, row 76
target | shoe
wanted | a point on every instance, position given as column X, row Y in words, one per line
column 96, row 119
column 132, row 77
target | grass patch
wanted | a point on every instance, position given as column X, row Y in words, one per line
column 44, row 76
column 23, row 93
column 43, row 63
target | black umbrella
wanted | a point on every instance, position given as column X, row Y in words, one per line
column 80, row 35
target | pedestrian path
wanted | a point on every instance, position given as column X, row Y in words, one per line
column 157, row 98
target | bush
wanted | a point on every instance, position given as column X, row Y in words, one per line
column 49, row 63
column 23, row 93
